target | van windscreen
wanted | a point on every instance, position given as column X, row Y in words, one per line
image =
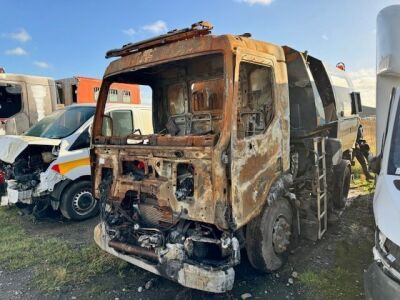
column 10, row 100
column 394, row 157
column 62, row 123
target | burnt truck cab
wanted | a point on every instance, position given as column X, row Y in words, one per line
column 217, row 172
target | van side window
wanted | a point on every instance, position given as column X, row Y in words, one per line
column 118, row 123
column 82, row 142
column 256, row 99
column 176, row 94
column 10, row 100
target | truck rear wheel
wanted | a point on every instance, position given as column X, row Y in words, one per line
column 78, row 203
column 268, row 237
column 342, row 184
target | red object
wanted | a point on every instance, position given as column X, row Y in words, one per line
column 341, row 66
column 86, row 87
column 56, row 168
column 2, row 176
column 140, row 165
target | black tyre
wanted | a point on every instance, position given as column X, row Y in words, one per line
column 78, row 203
column 268, row 237
column 342, row 184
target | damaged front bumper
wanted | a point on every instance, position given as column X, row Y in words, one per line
column 16, row 194
column 186, row 274
column 381, row 281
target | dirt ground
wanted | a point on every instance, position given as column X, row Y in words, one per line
column 328, row 269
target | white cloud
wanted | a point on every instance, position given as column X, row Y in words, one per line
column 16, row 51
column 364, row 81
column 324, row 37
column 261, row 2
column 41, row 64
column 156, row 27
column 21, row 36
column 129, row 31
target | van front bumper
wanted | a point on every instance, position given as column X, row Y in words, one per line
column 379, row 285
column 15, row 196
column 188, row 275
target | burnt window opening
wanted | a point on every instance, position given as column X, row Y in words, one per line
column 187, row 95
column 177, row 99
column 256, row 99
column 10, row 100
column 135, row 169
column 106, row 174
column 184, row 181
column 207, row 95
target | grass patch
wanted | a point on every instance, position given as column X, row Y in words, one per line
column 363, row 185
column 57, row 263
column 337, row 283
column 345, row 279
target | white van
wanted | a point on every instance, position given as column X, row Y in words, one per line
column 49, row 164
column 382, row 280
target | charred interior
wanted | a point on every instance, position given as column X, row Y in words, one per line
column 187, row 96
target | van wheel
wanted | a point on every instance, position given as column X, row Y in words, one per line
column 268, row 237
column 78, row 203
column 342, row 184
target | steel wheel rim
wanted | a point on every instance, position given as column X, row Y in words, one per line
column 83, row 202
column 281, row 235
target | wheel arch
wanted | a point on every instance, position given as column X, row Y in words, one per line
column 62, row 186
column 280, row 188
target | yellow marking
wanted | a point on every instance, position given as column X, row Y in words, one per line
column 68, row 166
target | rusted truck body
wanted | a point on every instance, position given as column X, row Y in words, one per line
column 241, row 128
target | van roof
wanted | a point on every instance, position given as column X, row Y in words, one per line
column 33, row 79
column 112, row 105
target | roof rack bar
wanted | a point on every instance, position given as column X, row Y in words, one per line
column 197, row 29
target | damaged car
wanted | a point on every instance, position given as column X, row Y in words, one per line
column 49, row 166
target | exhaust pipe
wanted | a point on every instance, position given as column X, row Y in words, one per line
column 135, row 250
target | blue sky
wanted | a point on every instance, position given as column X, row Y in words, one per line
column 65, row 38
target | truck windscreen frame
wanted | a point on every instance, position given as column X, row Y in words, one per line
column 188, row 93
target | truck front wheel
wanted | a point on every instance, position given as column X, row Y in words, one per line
column 268, row 237
column 342, row 184
column 78, row 203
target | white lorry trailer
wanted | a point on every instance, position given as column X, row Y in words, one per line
column 382, row 281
